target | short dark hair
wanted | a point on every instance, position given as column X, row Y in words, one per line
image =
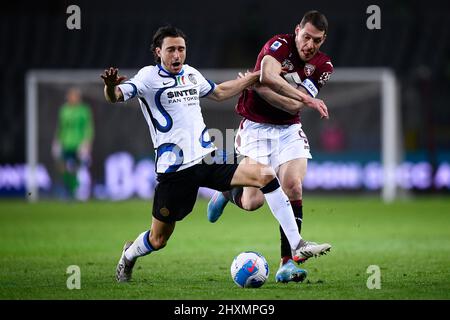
column 317, row 19
column 161, row 34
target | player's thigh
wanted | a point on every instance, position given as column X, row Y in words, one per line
column 252, row 173
column 293, row 171
column 214, row 175
column 175, row 196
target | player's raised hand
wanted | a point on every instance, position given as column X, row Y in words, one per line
column 111, row 77
column 317, row 104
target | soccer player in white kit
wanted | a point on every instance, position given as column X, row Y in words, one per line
column 169, row 95
column 271, row 133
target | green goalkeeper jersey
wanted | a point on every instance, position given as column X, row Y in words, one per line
column 75, row 126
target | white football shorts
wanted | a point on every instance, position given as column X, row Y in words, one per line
column 271, row 144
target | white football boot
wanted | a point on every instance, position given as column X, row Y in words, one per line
column 124, row 267
column 306, row 250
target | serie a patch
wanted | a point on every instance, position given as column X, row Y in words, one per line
column 275, row 46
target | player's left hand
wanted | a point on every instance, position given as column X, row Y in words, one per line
column 317, row 104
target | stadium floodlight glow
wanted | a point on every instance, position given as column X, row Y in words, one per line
column 391, row 148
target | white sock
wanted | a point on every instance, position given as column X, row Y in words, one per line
column 140, row 247
column 282, row 210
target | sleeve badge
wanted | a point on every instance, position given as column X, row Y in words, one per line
column 275, row 46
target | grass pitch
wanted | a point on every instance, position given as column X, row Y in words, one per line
column 408, row 240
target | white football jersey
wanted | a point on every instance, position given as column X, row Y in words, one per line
column 171, row 105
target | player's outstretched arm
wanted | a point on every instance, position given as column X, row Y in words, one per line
column 271, row 76
column 230, row 88
column 111, row 80
column 289, row 105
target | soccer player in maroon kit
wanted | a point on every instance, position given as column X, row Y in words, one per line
column 293, row 70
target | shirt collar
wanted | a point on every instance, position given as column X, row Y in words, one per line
column 169, row 73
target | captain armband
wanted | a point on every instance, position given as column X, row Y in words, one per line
column 310, row 87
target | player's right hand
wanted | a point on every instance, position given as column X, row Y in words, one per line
column 317, row 104
column 111, row 78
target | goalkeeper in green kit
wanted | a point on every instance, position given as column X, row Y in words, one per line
column 72, row 143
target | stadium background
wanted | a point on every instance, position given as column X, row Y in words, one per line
column 413, row 41
column 408, row 239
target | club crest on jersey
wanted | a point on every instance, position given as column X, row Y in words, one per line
column 192, row 79
column 275, row 46
column 287, row 64
column 309, row 69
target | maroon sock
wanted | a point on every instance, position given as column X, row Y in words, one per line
column 285, row 259
column 297, row 207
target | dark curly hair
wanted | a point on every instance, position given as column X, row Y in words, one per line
column 161, row 34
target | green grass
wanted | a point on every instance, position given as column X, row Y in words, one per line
column 408, row 240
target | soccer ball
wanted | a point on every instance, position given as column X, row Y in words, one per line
column 249, row 270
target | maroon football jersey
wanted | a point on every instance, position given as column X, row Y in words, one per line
column 312, row 75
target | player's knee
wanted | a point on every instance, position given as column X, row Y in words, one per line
column 293, row 189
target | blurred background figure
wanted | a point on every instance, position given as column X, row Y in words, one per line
column 72, row 144
column 332, row 137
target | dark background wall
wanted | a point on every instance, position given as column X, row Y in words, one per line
column 414, row 40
